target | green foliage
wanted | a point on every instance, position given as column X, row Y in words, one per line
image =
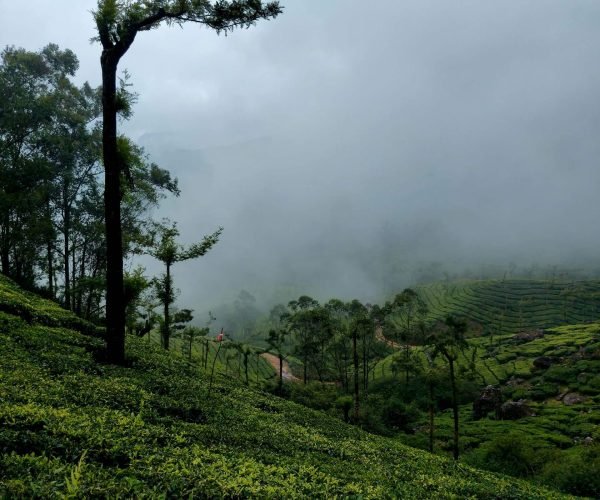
column 511, row 453
column 576, row 471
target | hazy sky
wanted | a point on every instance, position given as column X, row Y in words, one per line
column 345, row 139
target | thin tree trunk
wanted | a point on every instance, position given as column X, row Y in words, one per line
column 50, row 256
column 81, row 276
column 431, row 417
column 356, row 381
column 346, row 383
column 167, row 326
column 73, row 274
column 364, row 362
column 305, row 362
column 454, row 410
column 280, row 371
column 66, row 249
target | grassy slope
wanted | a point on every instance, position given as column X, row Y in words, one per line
column 69, row 426
column 508, row 306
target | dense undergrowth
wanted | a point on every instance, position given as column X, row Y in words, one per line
column 70, row 427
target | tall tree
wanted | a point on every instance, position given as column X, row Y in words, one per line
column 168, row 251
column 118, row 23
column 448, row 340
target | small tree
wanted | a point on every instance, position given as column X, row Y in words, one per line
column 448, row 340
column 168, row 251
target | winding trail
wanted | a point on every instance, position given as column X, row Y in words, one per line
column 379, row 336
column 286, row 373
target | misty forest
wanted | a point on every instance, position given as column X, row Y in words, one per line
column 286, row 249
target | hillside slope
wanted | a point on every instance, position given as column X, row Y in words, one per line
column 70, row 426
column 512, row 305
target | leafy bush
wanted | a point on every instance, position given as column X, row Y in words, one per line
column 512, row 453
column 399, row 415
column 543, row 391
column 576, row 472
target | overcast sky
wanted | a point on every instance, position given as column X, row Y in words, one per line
column 345, row 140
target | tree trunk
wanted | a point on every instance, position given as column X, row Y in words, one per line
column 166, row 327
column 305, row 362
column 115, row 311
column 66, row 250
column 364, row 362
column 356, row 381
column 431, row 416
column 346, row 383
column 50, row 257
column 5, row 245
column 79, row 295
column 454, row 410
column 73, row 273
column 280, row 371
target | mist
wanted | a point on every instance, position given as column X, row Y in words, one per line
column 345, row 146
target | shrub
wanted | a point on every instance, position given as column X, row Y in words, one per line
column 512, row 454
column 576, row 472
column 399, row 415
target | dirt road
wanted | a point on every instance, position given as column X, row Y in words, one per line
column 286, row 373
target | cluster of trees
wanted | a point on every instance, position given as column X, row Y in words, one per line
column 51, row 218
column 342, row 343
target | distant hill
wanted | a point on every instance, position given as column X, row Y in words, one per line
column 513, row 305
column 70, row 427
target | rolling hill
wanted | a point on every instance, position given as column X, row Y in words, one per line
column 509, row 306
column 72, row 427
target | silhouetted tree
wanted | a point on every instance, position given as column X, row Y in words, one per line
column 448, row 340
column 118, row 24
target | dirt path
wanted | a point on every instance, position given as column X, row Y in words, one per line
column 286, row 373
column 379, row 336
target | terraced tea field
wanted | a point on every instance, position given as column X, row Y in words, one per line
column 510, row 306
